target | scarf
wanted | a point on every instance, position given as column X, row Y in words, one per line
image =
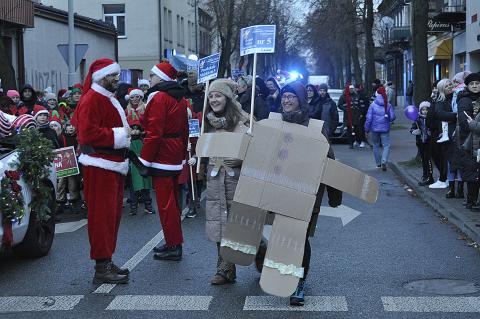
column 217, row 122
column 297, row 117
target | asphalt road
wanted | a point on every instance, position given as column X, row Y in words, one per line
column 357, row 271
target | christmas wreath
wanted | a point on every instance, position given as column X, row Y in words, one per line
column 34, row 157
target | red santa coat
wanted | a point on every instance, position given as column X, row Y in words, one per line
column 101, row 123
column 166, row 126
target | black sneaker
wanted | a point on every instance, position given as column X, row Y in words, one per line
column 160, row 249
column 149, row 209
column 133, row 212
column 384, row 167
column 171, row 253
column 298, row 297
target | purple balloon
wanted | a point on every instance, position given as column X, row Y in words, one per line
column 411, row 113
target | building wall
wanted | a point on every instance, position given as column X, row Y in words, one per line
column 44, row 66
column 472, row 36
column 140, row 48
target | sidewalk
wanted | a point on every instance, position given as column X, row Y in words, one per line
column 403, row 150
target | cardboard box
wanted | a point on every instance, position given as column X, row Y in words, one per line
column 283, row 167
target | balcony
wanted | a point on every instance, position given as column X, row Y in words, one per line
column 453, row 11
column 18, row 12
column 400, row 35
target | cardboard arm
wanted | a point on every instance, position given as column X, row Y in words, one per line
column 350, row 180
column 232, row 145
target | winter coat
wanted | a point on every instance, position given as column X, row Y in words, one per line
column 358, row 108
column 465, row 104
column 376, row 120
column 27, row 104
column 390, row 94
column 50, row 135
column 425, row 135
column 221, row 188
column 444, row 113
column 326, row 110
column 261, row 109
column 166, row 129
column 196, row 99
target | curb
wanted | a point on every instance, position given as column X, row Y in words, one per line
column 463, row 222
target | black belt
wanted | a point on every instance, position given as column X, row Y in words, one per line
column 172, row 135
column 87, row 149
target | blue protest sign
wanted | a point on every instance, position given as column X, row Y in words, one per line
column 236, row 73
column 194, row 128
column 208, row 68
column 257, row 39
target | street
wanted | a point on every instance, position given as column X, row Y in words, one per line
column 358, row 270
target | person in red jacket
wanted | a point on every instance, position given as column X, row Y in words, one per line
column 104, row 138
column 165, row 151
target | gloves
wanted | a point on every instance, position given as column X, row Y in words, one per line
column 416, row 132
column 192, row 161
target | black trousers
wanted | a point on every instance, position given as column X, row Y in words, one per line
column 306, row 258
column 358, row 136
column 439, row 158
column 426, row 156
column 472, row 192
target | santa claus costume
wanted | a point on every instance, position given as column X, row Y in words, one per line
column 104, row 139
column 165, row 151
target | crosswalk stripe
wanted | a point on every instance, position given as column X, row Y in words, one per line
column 69, row 227
column 431, row 304
column 312, row 303
column 35, row 303
column 157, row 302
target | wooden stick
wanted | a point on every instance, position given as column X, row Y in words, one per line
column 191, row 174
column 202, row 129
column 252, row 102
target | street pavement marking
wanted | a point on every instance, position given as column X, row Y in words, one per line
column 70, row 227
column 137, row 258
column 35, row 303
column 431, row 304
column 345, row 213
column 312, row 303
column 157, row 302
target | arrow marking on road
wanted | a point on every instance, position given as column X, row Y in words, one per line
column 345, row 213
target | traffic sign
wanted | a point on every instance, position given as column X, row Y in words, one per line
column 80, row 50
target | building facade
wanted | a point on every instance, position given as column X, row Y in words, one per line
column 148, row 30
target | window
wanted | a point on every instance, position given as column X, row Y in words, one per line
column 178, row 31
column 165, row 24
column 115, row 14
column 170, row 26
column 182, row 32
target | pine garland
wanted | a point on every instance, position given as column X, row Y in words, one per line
column 35, row 156
column 11, row 198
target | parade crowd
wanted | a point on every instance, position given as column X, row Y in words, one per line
column 137, row 138
column 447, row 133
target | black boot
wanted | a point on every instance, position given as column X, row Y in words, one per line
column 460, row 192
column 472, row 194
column 429, row 180
column 451, row 190
column 171, row 253
column 160, row 249
column 106, row 274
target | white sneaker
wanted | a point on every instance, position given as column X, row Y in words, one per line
column 438, row 184
column 443, row 139
column 362, row 145
column 355, row 144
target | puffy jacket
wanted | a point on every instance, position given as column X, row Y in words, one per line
column 376, row 120
column 325, row 109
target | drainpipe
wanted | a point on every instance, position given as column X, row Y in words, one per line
column 196, row 29
column 160, row 39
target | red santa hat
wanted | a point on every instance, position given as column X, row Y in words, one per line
column 134, row 91
column 38, row 109
column 98, row 70
column 381, row 91
column 165, row 71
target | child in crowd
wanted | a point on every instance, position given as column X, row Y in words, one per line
column 42, row 116
column 70, row 184
column 423, row 137
column 139, row 186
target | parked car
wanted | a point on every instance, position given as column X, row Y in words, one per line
column 31, row 237
column 340, row 134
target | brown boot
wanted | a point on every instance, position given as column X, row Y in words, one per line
column 219, row 280
column 105, row 274
column 120, row 271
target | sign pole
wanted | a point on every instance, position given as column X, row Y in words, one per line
column 191, row 173
column 252, row 102
column 202, row 128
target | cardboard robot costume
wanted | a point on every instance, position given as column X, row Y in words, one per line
column 283, row 167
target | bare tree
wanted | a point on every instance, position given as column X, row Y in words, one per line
column 369, row 46
column 421, row 71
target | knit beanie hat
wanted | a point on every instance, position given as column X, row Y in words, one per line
column 75, row 90
column 225, row 86
column 472, row 77
column 143, row 82
column 323, row 86
column 424, row 104
column 13, row 93
column 50, row 96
